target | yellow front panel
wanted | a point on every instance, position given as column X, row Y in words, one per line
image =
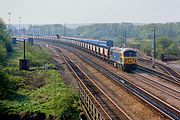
column 130, row 60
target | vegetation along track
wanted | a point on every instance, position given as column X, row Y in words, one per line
column 171, row 73
column 109, row 108
column 147, row 97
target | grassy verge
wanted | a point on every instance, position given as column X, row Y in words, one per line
column 39, row 90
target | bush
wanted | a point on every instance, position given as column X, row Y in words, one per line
column 8, row 44
column 166, row 45
column 38, row 57
column 2, row 54
column 146, row 47
column 6, row 85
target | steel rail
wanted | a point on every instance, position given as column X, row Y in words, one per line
column 159, row 88
column 164, row 67
column 159, row 74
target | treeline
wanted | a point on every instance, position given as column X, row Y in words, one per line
column 110, row 30
column 135, row 31
column 49, row 30
column 138, row 35
column 164, row 45
column 5, row 42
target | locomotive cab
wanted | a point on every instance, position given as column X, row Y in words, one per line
column 125, row 58
column 130, row 60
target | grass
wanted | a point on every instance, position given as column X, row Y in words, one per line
column 38, row 90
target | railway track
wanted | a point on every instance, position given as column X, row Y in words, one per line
column 106, row 105
column 168, row 69
column 159, row 86
column 159, row 74
column 158, row 104
column 170, row 73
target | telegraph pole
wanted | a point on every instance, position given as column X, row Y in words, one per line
column 24, row 50
column 125, row 38
column 19, row 25
column 64, row 29
column 154, row 47
column 9, row 20
column 56, row 27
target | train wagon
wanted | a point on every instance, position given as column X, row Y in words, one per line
column 99, row 46
column 98, row 42
column 124, row 58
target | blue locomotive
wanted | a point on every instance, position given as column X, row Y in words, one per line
column 124, row 58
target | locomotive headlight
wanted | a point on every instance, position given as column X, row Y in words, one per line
column 126, row 60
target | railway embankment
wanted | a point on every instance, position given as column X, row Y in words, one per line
column 38, row 93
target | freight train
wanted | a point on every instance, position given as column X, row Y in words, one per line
column 124, row 58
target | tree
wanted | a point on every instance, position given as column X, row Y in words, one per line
column 5, row 42
column 2, row 53
column 173, row 49
column 8, row 43
column 167, row 45
column 146, row 47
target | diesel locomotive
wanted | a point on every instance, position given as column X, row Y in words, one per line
column 124, row 58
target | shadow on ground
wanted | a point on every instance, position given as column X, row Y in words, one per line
column 16, row 96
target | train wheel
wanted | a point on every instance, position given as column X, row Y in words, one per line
column 118, row 66
column 114, row 64
column 121, row 66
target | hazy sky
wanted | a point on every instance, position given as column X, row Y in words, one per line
column 90, row 11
